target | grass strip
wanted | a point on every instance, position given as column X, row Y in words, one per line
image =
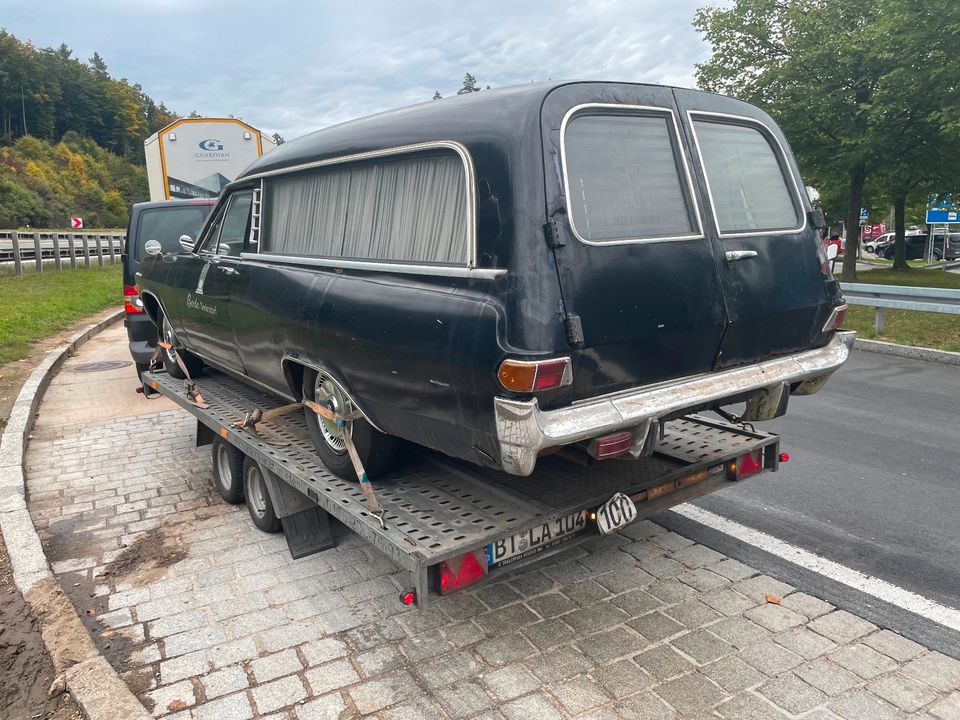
column 42, row 304
column 909, row 327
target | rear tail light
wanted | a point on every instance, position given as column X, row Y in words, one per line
column 461, row 571
column 131, row 300
column 746, row 465
column 611, row 445
column 527, row 376
column 835, row 321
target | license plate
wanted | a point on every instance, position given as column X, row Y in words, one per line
column 617, row 512
column 535, row 540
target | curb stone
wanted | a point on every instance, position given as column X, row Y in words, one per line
column 94, row 684
column 905, row 351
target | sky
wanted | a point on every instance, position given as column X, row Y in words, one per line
column 292, row 67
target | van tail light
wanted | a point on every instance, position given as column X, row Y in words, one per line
column 132, row 304
column 461, row 571
column 835, row 321
column 526, row 376
column 746, row 465
column 611, row 445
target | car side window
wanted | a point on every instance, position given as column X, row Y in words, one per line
column 229, row 229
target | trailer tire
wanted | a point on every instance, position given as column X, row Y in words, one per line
column 193, row 364
column 259, row 504
column 227, row 471
column 376, row 450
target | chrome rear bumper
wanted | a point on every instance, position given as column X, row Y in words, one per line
column 524, row 429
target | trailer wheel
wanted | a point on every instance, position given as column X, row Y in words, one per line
column 258, row 498
column 375, row 449
column 193, row 364
column 228, row 471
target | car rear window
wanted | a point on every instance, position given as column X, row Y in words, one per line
column 167, row 224
column 405, row 209
column 746, row 178
column 624, row 178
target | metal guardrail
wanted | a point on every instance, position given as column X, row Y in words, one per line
column 881, row 297
column 78, row 248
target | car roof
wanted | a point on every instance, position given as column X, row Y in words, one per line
column 172, row 203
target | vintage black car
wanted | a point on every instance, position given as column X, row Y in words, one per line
column 503, row 274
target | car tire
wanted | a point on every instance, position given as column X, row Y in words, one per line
column 259, row 504
column 228, row 471
column 937, row 255
column 376, row 450
column 191, row 362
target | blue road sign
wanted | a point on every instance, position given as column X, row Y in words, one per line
column 942, row 216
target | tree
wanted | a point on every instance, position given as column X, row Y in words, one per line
column 816, row 66
column 469, row 85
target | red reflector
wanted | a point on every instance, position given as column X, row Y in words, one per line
column 550, row 374
column 749, row 464
column 131, row 300
column 459, row 572
column 784, row 457
column 841, row 316
column 611, row 445
column 408, row 598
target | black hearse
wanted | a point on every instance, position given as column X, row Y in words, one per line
column 514, row 272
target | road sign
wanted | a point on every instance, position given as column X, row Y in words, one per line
column 943, row 216
column 864, row 214
column 76, row 223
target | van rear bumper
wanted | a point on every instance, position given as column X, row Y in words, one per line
column 524, row 429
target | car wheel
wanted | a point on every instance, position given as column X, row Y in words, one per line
column 228, row 471
column 937, row 255
column 376, row 450
column 259, row 503
column 191, row 362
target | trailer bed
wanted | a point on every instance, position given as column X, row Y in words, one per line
column 438, row 508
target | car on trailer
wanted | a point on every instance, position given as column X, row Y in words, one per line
column 549, row 268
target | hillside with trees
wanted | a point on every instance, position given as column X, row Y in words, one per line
column 71, row 138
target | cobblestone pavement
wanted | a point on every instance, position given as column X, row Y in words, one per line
column 208, row 618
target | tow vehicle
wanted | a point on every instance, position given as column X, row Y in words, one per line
column 446, row 522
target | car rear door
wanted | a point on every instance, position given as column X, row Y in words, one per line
column 207, row 316
column 768, row 256
column 637, row 273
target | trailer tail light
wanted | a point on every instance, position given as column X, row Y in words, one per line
column 132, row 304
column 835, row 321
column 746, row 465
column 459, row 572
column 526, row 376
column 611, row 445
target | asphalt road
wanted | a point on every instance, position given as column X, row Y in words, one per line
column 873, row 481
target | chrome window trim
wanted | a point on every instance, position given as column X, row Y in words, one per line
column 569, row 116
column 227, row 204
column 459, row 148
column 379, row 266
column 782, row 159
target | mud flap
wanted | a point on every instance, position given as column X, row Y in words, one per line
column 305, row 525
column 307, row 532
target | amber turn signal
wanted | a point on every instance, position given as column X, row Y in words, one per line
column 526, row 376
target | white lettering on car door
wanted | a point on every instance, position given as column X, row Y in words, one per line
column 203, row 278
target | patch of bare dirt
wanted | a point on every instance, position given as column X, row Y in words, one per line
column 148, row 557
column 27, row 688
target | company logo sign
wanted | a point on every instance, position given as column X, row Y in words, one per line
column 211, row 149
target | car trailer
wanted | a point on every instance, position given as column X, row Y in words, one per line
column 449, row 523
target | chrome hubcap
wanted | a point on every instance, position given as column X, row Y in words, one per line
column 223, row 467
column 256, row 491
column 171, row 339
column 327, row 393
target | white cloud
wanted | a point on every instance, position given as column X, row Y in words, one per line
column 294, row 67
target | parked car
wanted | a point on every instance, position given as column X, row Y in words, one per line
column 508, row 273
column 946, row 246
column 164, row 223
column 836, row 241
column 879, row 244
column 914, row 248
